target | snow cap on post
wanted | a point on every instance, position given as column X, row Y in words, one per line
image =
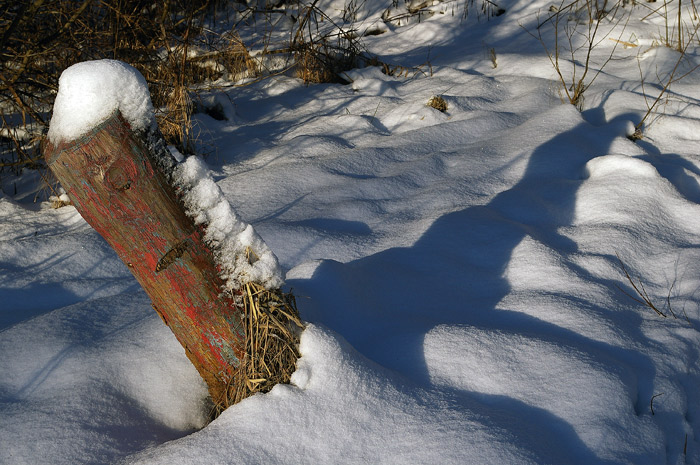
column 91, row 91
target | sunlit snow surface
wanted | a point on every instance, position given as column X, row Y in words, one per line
column 458, row 270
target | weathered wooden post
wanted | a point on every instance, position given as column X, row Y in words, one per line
column 159, row 216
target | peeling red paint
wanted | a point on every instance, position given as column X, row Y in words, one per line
column 115, row 185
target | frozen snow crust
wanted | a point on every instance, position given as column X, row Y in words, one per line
column 458, row 269
column 91, row 91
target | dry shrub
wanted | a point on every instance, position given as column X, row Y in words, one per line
column 40, row 38
column 170, row 43
column 322, row 52
column 572, row 22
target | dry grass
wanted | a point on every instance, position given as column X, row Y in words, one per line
column 313, row 65
column 175, row 119
column 319, row 55
column 438, row 103
column 321, row 63
column 177, row 46
column 272, row 327
column 59, row 202
column 168, row 42
column 231, row 55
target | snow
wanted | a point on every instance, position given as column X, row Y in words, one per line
column 336, row 385
column 240, row 252
column 91, row 91
column 459, row 271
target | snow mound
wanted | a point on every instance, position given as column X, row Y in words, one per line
column 91, row 91
column 620, row 165
column 126, row 377
column 241, row 253
column 346, row 409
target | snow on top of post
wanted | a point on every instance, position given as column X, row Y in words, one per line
column 238, row 249
column 91, row 91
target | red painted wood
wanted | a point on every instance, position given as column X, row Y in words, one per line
column 116, row 185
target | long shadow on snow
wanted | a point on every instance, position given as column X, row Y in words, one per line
column 681, row 173
column 385, row 304
column 449, row 46
column 272, row 120
column 23, row 299
column 121, row 423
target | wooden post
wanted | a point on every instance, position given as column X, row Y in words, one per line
column 120, row 189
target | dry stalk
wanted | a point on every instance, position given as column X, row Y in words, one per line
column 651, row 402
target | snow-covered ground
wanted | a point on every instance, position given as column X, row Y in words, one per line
column 458, row 270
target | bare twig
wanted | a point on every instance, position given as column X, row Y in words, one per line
column 642, row 296
column 575, row 86
column 672, row 78
column 651, row 402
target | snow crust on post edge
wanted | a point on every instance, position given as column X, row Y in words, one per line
column 90, row 91
column 240, row 251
